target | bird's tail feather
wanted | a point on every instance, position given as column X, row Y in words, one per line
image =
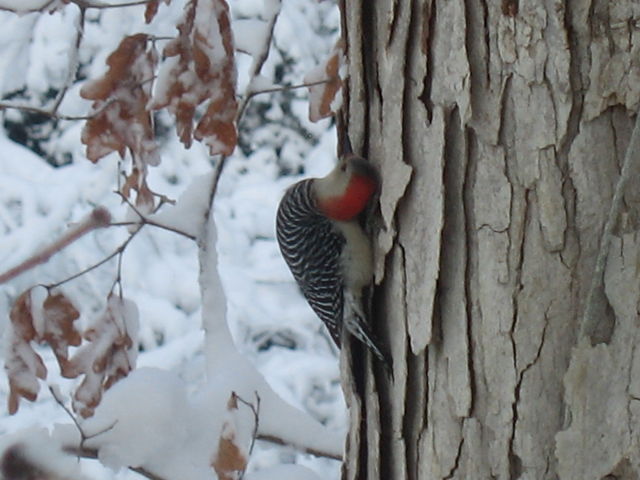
column 356, row 323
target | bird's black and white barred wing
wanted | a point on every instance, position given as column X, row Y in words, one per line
column 311, row 247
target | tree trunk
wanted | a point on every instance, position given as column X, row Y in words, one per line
column 500, row 129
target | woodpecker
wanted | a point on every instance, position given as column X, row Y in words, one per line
column 326, row 248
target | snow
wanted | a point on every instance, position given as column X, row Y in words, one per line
column 272, row 7
column 15, row 37
column 189, row 211
column 261, row 337
column 139, row 419
column 23, row 5
column 250, row 34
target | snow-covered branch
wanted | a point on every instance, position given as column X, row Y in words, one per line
column 230, row 371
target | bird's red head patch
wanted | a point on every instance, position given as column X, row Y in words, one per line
column 354, row 200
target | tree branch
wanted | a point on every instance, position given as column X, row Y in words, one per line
column 258, row 63
column 42, row 111
column 284, row 88
column 99, row 218
column 93, row 454
column 53, row 113
column 589, row 319
column 147, row 221
column 311, row 451
column 116, row 252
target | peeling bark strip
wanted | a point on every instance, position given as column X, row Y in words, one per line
column 500, row 129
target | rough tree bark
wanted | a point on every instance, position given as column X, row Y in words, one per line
column 500, row 128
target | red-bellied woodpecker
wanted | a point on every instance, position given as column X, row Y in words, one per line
column 326, row 248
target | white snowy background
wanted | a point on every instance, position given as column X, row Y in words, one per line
column 46, row 184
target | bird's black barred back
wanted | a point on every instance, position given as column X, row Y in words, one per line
column 315, row 264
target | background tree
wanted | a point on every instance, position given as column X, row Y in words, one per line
column 507, row 270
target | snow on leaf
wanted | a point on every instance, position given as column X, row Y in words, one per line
column 230, row 459
column 325, row 99
column 35, row 318
column 109, row 356
column 200, row 68
column 21, row 317
column 22, row 364
column 120, row 119
column 216, row 128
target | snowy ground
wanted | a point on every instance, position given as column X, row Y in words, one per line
column 271, row 324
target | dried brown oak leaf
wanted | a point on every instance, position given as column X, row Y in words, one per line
column 60, row 332
column 50, row 322
column 326, row 98
column 230, row 459
column 109, row 356
column 200, row 69
column 22, row 364
column 120, row 119
column 151, row 10
column 144, row 196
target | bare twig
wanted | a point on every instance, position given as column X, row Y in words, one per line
column 255, row 409
column 74, row 62
column 257, row 65
column 42, row 111
column 83, row 436
column 118, row 279
column 56, row 396
column 311, row 451
column 116, row 252
column 153, row 223
column 120, row 250
column 99, row 218
column 284, row 88
column 56, row 115
column 589, row 319
column 53, row 113
column 147, row 221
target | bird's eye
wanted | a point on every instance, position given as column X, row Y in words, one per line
column 343, row 167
